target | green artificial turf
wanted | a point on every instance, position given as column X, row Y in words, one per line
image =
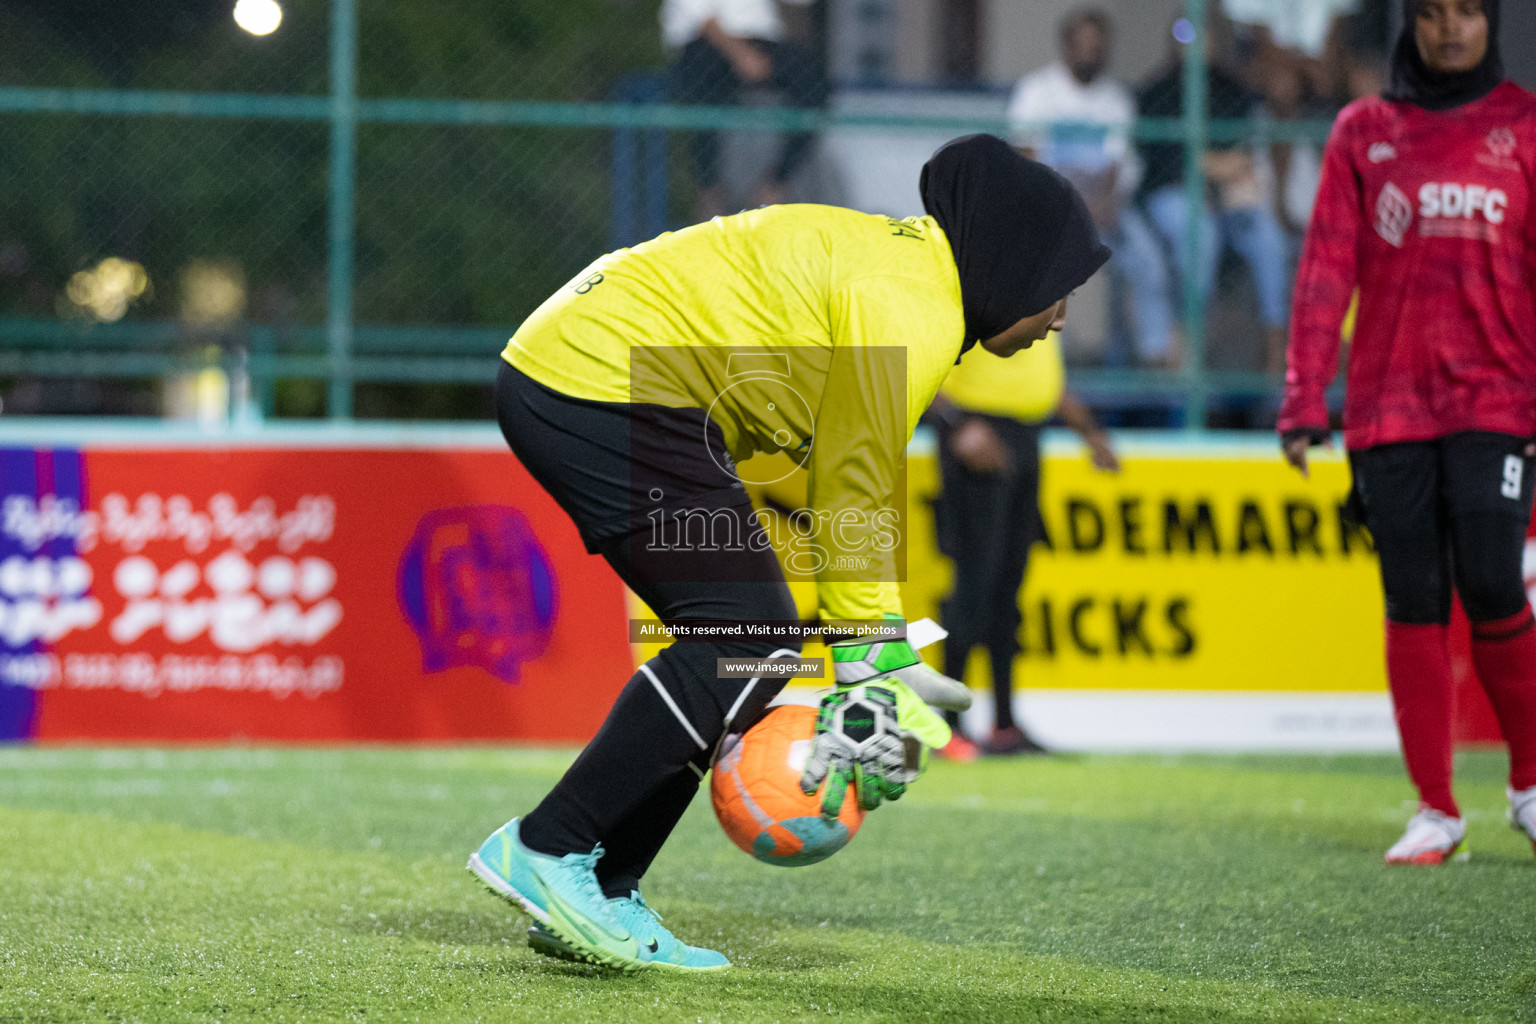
column 329, row 884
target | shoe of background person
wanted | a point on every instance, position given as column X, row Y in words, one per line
column 561, row 893
column 1431, row 838
column 1522, row 812
column 1013, row 740
column 958, row 749
column 660, row 948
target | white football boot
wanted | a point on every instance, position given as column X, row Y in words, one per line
column 1431, row 838
column 1522, row 812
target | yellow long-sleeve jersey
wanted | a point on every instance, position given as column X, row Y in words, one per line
column 1025, row 387
column 816, row 331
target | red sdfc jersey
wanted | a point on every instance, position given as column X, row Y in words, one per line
column 1431, row 216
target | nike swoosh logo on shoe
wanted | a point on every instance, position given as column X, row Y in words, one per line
column 596, row 932
column 588, row 925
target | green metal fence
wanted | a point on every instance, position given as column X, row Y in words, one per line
column 391, row 239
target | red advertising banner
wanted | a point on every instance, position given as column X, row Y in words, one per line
column 297, row 594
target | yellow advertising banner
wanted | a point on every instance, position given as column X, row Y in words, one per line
column 1211, row 567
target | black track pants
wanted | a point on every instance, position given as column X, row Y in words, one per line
column 986, row 524
column 1444, row 513
column 600, row 461
column 703, row 75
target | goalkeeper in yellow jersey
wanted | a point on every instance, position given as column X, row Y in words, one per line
column 633, row 393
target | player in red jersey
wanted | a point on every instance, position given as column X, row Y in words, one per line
column 1428, row 207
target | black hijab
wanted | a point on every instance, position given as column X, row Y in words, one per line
column 1414, row 82
column 1021, row 234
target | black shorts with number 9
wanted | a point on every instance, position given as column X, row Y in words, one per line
column 1452, row 511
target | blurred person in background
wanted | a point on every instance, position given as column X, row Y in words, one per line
column 1322, row 58
column 1365, row 77
column 1088, row 139
column 1428, row 209
column 1311, row 35
column 722, row 48
column 1292, row 168
column 1238, row 210
column 988, row 416
column 1296, row 168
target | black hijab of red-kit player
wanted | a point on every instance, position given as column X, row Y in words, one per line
column 1021, row 235
column 1414, row 82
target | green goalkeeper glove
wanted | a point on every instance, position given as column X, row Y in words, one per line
column 873, row 737
column 859, row 661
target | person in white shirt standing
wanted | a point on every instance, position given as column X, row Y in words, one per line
column 723, row 47
column 1074, row 117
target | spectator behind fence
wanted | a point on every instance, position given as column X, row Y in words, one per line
column 1294, row 167
column 1090, row 116
column 1297, row 86
column 723, row 47
column 1238, row 209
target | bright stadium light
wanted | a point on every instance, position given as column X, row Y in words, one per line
column 105, row 292
column 212, row 293
column 258, row 17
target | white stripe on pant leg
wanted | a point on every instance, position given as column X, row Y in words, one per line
column 646, row 668
column 730, row 716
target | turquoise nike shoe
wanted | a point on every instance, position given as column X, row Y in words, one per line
column 659, row 947
column 562, row 894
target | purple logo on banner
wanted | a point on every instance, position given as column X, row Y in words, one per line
column 43, row 582
column 478, row 589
